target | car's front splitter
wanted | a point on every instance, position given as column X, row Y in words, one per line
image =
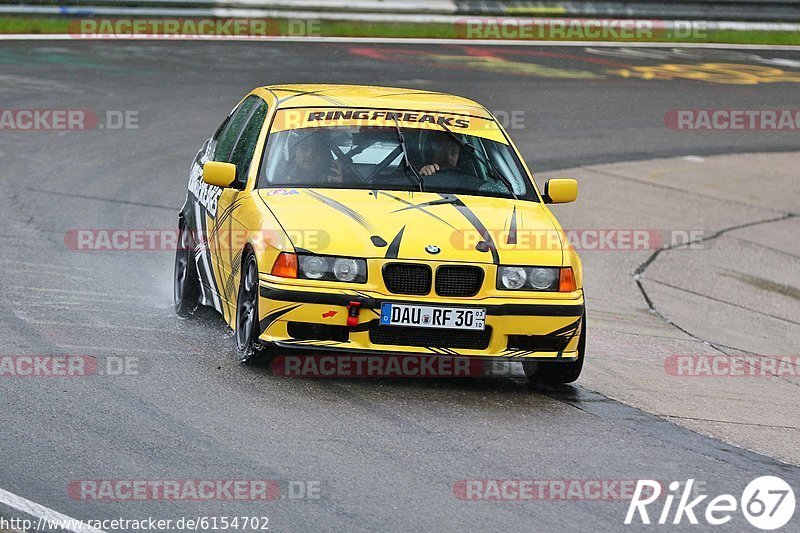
column 515, row 329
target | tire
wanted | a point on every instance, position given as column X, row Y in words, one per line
column 185, row 285
column 558, row 373
column 248, row 349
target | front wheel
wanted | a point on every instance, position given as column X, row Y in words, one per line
column 248, row 349
column 558, row 373
column 186, row 285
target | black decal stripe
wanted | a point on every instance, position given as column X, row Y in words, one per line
column 365, row 295
column 535, row 310
column 311, row 342
column 206, row 259
column 394, row 247
column 563, row 335
column 441, row 201
column 345, row 210
column 342, row 300
column 477, row 224
column 273, row 316
column 222, row 217
column 216, row 254
column 415, row 93
column 318, row 93
column 363, row 326
column 229, row 210
column 512, row 228
column 568, row 330
column 236, row 263
column 422, row 209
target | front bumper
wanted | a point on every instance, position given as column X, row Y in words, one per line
column 296, row 316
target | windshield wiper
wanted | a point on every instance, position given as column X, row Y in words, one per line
column 406, row 161
column 486, row 162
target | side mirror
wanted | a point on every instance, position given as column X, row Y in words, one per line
column 560, row 191
column 219, row 174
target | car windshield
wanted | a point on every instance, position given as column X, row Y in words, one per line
column 370, row 157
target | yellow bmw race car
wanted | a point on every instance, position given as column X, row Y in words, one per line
column 374, row 220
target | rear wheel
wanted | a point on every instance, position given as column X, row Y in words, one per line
column 248, row 349
column 186, row 285
column 558, row 373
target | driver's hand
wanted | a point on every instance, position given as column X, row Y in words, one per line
column 429, row 170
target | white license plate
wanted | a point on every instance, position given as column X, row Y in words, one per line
column 425, row 316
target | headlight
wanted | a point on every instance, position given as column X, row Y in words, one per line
column 313, row 266
column 345, row 269
column 323, row 267
column 528, row 278
column 543, row 279
column 511, row 278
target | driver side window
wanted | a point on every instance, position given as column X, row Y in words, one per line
column 228, row 133
column 243, row 152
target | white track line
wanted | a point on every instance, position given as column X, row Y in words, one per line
column 44, row 514
column 387, row 40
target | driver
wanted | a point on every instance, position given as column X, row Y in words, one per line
column 446, row 153
column 312, row 162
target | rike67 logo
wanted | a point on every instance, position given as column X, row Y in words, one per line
column 767, row 503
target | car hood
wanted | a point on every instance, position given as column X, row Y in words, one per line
column 416, row 226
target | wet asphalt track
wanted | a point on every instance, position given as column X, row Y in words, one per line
column 387, row 453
